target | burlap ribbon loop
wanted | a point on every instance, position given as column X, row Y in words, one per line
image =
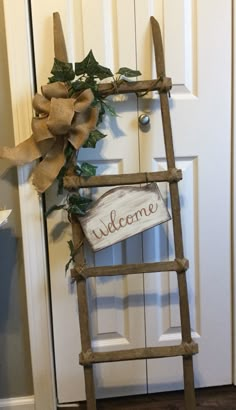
column 59, row 119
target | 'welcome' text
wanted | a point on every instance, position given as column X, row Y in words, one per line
column 115, row 223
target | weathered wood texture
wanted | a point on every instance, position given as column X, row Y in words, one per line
column 184, row 349
column 179, row 265
column 78, row 237
column 124, row 87
column 177, row 228
column 123, row 212
column 75, row 182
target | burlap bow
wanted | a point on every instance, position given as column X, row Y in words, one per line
column 59, row 119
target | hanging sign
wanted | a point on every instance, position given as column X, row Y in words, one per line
column 123, row 212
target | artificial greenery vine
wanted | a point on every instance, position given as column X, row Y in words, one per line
column 84, row 75
column 87, row 74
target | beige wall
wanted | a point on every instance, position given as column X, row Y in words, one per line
column 15, row 365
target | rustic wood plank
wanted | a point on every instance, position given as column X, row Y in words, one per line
column 73, row 182
column 78, row 237
column 128, row 269
column 185, row 349
column 125, row 87
column 121, row 213
column 177, row 228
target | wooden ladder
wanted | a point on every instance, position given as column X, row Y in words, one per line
column 81, row 272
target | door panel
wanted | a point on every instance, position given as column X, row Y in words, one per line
column 200, row 112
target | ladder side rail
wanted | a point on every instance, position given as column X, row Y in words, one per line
column 78, row 236
column 174, row 191
column 176, row 217
column 189, row 392
column 179, row 253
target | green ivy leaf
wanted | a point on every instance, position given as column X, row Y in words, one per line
column 71, row 247
column 60, row 177
column 110, row 109
column 62, row 71
column 73, row 253
column 82, row 201
column 79, row 85
column 87, row 66
column 76, row 199
column 128, row 72
column 103, row 72
column 91, row 68
column 68, row 264
column 93, row 138
column 91, row 83
column 76, row 210
column 78, row 204
column 53, row 208
column 69, row 151
column 52, row 79
column 102, row 110
column 87, row 170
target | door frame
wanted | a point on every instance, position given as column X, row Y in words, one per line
column 17, row 29
column 233, row 188
column 20, row 65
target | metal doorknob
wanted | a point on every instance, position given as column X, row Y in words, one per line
column 144, row 119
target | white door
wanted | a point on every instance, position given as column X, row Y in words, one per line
column 201, row 118
column 136, row 311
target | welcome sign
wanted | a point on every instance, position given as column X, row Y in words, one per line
column 123, row 212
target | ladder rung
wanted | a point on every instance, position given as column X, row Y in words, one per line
column 75, row 182
column 135, row 86
column 184, row 349
column 179, row 265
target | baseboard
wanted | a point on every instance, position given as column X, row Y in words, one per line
column 18, row 403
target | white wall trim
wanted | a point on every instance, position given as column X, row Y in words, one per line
column 18, row 403
column 21, row 85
